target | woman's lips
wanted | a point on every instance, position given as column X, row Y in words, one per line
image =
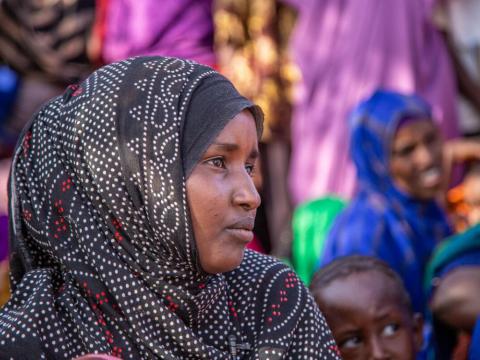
column 242, row 229
column 431, row 177
column 241, row 234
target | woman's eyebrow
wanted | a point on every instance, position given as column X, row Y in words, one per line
column 226, row 146
column 230, row 147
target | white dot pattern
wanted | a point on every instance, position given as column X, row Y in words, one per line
column 104, row 259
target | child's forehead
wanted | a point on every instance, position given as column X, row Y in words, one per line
column 364, row 286
column 368, row 276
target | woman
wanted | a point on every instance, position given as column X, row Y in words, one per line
column 397, row 150
column 132, row 202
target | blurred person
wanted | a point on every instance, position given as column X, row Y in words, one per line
column 47, row 39
column 45, row 44
column 453, row 283
column 458, row 21
column 402, row 167
column 345, row 50
column 132, row 200
column 368, row 309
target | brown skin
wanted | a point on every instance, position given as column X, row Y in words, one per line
column 472, row 196
column 369, row 319
column 416, row 149
column 222, row 197
column 455, row 301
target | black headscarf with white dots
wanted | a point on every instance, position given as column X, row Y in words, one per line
column 103, row 256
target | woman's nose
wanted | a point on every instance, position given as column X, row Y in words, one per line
column 245, row 194
column 424, row 157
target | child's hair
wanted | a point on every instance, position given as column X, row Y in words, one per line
column 355, row 264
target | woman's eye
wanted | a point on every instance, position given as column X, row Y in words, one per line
column 217, row 162
column 406, row 151
column 250, row 169
column 390, row 329
column 351, row 342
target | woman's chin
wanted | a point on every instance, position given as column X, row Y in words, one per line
column 225, row 262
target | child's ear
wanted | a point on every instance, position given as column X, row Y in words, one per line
column 418, row 331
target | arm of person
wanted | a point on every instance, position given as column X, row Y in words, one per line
column 458, row 151
column 455, row 301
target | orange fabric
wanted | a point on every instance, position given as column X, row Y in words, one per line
column 457, row 208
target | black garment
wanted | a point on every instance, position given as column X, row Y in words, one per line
column 103, row 255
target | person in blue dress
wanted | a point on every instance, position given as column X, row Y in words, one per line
column 397, row 149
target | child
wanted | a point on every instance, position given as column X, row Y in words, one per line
column 368, row 309
column 453, row 281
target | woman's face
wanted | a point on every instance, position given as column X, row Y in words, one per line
column 222, row 197
column 416, row 159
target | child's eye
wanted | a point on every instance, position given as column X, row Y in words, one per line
column 216, row 162
column 351, row 342
column 390, row 329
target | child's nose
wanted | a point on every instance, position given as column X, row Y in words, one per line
column 377, row 350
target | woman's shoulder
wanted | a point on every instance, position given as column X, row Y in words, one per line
column 278, row 308
column 260, row 277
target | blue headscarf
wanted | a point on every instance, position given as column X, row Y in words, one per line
column 381, row 220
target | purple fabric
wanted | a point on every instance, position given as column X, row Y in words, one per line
column 3, row 237
column 346, row 49
column 180, row 28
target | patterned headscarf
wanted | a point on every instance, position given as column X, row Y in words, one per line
column 104, row 258
column 381, row 220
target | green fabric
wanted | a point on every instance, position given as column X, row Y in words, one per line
column 450, row 249
column 311, row 222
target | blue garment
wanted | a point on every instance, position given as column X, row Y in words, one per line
column 474, row 351
column 381, row 220
column 8, row 91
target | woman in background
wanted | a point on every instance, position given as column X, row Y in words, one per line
column 397, row 150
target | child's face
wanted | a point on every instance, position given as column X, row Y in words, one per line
column 368, row 318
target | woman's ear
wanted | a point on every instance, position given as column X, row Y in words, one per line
column 418, row 331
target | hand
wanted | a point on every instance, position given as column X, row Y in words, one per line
column 461, row 150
